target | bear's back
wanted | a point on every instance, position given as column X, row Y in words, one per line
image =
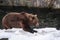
column 12, row 19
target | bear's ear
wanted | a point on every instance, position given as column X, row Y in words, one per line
column 35, row 15
column 22, row 12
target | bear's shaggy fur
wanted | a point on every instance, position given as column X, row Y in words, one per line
column 20, row 20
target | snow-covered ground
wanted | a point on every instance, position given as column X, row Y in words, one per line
column 19, row 34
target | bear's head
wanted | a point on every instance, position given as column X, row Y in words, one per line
column 33, row 19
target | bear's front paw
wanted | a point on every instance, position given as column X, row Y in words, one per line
column 35, row 31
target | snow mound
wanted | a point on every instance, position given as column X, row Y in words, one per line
column 19, row 34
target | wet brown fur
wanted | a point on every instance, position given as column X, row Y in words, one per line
column 20, row 20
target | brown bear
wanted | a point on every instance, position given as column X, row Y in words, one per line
column 20, row 20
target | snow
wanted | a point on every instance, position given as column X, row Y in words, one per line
column 19, row 34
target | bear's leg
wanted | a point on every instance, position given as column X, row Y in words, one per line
column 7, row 28
column 29, row 29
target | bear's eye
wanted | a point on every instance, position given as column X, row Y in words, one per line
column 33, row 18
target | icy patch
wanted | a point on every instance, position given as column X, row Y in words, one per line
column 19, row 34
